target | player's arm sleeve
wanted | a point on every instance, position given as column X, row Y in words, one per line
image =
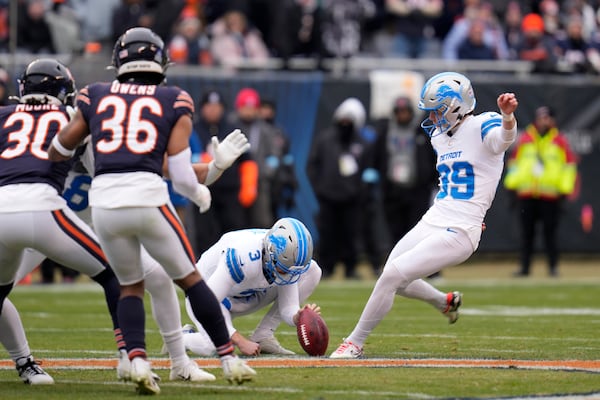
column 289, row 302
column 495, row 137
column 184, row 178
column 221, row 282
column 87, row 157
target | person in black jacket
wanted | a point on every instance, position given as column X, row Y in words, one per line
column 337, row 160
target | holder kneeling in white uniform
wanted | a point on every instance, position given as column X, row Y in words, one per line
column 250, row 269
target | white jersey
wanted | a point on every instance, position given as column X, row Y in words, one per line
column 470, row 164
column 233, row 269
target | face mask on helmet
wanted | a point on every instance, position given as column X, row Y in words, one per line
column 288, row 250
column 447, row 98
column 140, row 52
column 46, row 81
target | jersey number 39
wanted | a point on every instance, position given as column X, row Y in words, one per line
column 456, row 180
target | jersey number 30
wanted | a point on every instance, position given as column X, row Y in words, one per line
column 31, row 135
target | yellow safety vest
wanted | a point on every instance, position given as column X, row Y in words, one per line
column 541, row 166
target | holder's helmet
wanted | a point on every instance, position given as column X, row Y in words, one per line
column 140, row 51
column 47, row 81
column 450, row 96
column 288, row 250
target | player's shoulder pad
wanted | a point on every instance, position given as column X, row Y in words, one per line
column 489, row 115
column 8, row 109
column 183, row 100
column 489, row 120
column 83, row 95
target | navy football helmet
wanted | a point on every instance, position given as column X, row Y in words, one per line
column 450, row 96
column 139, row 51
column 47, row 81
column 288, row 250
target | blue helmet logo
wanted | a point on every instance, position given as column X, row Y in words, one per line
column 445, row 91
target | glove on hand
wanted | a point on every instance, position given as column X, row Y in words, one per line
column 226, row 152
column 203, row 198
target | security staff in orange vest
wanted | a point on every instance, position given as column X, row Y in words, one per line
column 542, row 171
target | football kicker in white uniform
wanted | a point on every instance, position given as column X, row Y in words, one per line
column 470, row 159
column 250, row 269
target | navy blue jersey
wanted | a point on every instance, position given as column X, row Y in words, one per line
column 25, row 135
column 131, row 124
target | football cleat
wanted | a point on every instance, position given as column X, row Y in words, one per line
column 453, row 302
column 236, row 370
column 31, row 373
column 123, row 367
column 347, row 350
column 271, row 345
column 190, row 371
column 143, row 377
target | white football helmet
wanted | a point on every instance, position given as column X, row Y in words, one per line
column 450, row 95
column 288, row 250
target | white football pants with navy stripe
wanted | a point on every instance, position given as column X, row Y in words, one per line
column 58, row 234
column 122, row 230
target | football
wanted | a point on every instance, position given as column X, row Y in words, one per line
column 313, row 334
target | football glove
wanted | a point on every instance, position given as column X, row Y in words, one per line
column 202, row 198
column 226, row 152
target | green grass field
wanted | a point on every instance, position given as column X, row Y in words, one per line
column 549, row 323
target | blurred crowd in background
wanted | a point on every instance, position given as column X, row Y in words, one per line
column 557, row 36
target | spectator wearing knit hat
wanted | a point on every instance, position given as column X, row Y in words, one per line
column 337, row 161
column 536, row 45
column 191, row 44
column 262, row 139
column 234, row 190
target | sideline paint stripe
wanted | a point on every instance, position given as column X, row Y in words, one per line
column 106, row 363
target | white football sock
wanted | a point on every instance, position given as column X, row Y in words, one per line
column 166, row 312
column 12, row 333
